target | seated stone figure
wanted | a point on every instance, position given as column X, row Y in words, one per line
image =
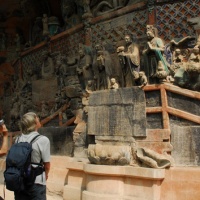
column 177, row 59
column 113, row 84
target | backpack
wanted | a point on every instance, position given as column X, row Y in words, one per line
column 19, row 172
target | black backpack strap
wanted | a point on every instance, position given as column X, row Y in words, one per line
column 31, row 142
column 17, row 139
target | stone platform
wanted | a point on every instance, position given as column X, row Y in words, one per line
column 101, row 182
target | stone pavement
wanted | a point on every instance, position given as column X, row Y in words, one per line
column 10, row 196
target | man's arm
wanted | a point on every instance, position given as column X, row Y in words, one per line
column 4, row 147
column 47, row 166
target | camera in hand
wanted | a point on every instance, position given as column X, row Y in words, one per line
column 1, row 122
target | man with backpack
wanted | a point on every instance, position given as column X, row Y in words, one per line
column 33, row 175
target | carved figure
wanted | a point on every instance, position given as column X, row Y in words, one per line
column 69, row 13
column 54, row 26
column 84, row 68
column 102, row 64
column 131, row 60
column 161, row 74
column 153, row 159
column 109, row 155
column 90, row 87
column 195, row 56
column 113, row 84
column 142, row 79
column 45, row 26
column 61, row 67
column 178, row 60
column 47, row 65
column 153, row 53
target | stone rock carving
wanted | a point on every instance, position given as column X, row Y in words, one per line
column 109, row 154
column 177, row 60
column 70, row 14
column 161, row 73
column 84, row 67
column 102, row 65
column 45, row 26
column 186, row 63
column 113, row 84
column 141, row 81
column 153, row 159
column 47, row 65
column 102, row 7
column 90, row 87
column 61, row 70
column 131, row 61
column 54, row 25
column 153, row 54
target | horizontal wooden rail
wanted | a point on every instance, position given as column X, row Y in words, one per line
column 49, row 118
column 183, row 114
column 153, row 109
column 181, row 91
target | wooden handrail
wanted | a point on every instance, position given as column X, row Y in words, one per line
column 165, row 109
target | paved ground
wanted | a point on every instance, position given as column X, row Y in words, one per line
column 9, row 195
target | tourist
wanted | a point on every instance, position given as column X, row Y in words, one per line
column 29, row 125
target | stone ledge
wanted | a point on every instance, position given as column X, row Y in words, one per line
column 123, row 171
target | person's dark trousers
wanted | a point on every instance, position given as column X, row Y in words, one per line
column 35, row 192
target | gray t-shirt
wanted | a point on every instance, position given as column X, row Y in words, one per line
column 41, row 151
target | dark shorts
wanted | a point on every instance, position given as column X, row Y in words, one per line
column 35, row 192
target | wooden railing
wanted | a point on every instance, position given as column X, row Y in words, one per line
column 44, row 121
column 165, row 109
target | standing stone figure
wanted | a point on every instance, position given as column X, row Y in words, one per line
column 102, row 64
column 131, row 61
column 47, row 65
column 84, row 68
column 153, row 53
column 45, row 26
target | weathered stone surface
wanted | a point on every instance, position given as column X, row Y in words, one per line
column 61, row 139
column 44, row 90
column 153, row 98
column 154, row 121
column 184, row 103
column 118, row 112
column 186, row 143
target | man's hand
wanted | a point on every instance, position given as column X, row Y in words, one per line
column 3, row 129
